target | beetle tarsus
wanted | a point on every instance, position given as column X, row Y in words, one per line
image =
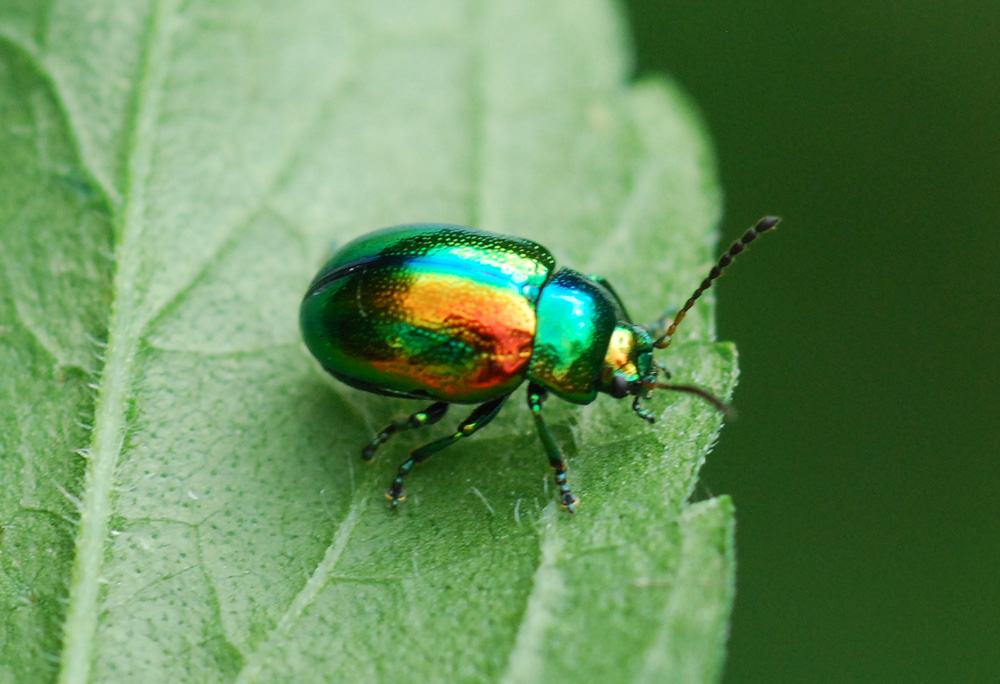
column 395, row 493
column 641, row 412
column 566, row 498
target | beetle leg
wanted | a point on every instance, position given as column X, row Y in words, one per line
column 428, row 416
column 479, row 418
column 660, row 325
column 536, row 396
column 643, row 413
column 663, row 369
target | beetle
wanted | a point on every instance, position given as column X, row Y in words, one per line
column 457, row 315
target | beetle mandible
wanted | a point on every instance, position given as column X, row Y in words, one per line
column 457, row 315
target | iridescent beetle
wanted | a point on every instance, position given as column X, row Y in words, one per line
column 461, row 316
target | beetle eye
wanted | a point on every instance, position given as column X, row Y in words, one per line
column 620, row 386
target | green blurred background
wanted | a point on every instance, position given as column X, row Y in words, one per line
column 865, row 464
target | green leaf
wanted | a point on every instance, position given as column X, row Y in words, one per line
column 181, row 496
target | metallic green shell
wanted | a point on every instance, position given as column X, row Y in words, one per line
column 428, row 310
column 576, row 319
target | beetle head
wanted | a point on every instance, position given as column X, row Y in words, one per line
column 628, row 362
column 629, row 368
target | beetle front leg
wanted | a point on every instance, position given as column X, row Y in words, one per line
column 641, row 412
column 536, row 396
column 428, row 416
column 479, row 418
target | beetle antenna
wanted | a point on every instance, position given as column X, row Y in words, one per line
column 765, row 224
column 721, row 406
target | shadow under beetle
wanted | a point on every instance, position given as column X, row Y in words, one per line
column 461, row 316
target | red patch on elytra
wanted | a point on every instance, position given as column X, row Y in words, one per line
column 499, row 323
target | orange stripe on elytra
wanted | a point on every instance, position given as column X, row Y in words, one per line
column 501, row 319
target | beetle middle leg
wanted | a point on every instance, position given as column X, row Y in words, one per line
column 536, row 397
column 479, row 418
column 428, row 416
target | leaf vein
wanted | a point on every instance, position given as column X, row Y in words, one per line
column 31, row 53
column 85, row 594
column 232, row 235
column 255, row 664
column 526, row 661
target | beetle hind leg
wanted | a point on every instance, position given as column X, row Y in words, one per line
column 536, row 397
column 428, row 416
column 479, row 419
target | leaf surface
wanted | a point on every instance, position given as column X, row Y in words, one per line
column 182, row 498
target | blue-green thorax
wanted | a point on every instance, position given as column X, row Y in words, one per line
column 584, row 340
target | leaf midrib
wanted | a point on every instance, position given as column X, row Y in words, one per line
column 124, row 333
